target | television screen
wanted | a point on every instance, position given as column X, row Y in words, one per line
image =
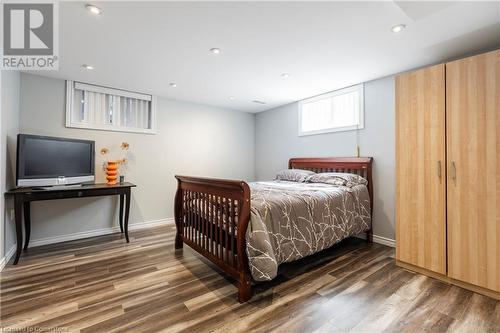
column 53, row 161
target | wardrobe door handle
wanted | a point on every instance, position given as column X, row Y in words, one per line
column 439, row 169
column 453, row 171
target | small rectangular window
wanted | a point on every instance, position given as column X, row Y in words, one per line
column 340, row 110
column 95, row 107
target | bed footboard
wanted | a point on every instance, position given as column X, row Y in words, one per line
column 212, row 216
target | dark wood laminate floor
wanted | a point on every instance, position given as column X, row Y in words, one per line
column 102, row 284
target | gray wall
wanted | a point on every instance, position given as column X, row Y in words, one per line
column 277, row 140
column 9, row 129
column 192, row 139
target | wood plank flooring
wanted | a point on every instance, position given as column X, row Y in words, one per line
column 102, row 284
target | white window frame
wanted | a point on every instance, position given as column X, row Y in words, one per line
column 359, row 88
column 70, row 94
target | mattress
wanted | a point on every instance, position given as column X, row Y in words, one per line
column 292, row 220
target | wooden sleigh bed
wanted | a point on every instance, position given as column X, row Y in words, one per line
column 216, row 225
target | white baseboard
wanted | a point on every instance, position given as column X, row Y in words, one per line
column 384, row 241
column 99, row 232
column 84, row 234
column 380, row 240
column 135, row 226
column 7, row 257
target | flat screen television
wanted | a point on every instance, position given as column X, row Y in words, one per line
column 49, row 161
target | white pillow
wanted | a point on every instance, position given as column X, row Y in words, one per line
column 338, row 179
column 294, row 175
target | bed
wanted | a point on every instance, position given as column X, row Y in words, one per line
column 249, row 229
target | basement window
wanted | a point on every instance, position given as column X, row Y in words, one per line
column 101, row 108
column 340, row 110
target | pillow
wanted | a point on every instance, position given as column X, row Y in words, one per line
column 294, row 175
column 327, row 178
column 338, row 179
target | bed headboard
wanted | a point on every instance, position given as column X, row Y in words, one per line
column 358, row 165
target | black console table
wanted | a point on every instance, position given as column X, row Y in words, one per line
column 23, row 197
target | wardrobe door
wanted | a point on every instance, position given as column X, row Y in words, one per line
column 420, row 169
column 473, row 130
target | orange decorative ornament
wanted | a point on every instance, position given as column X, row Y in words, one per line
column 112, row 172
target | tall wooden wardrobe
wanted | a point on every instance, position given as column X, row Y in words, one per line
column 448, row 172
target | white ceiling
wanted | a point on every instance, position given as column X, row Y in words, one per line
column 324, row 46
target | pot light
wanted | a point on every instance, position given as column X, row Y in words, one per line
column 285, row 75
column 93, row 9
column 215, row 50
column 173, row 85
column 232, row 98
column 398, row 28
column 89, row 67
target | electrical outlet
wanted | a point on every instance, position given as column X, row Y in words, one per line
column 12, row 214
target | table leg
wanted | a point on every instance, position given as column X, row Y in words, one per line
column 127, row 212
column 121, row 212
column 27, row 223
column 18, row 212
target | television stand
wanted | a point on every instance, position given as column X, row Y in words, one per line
column 24, row 196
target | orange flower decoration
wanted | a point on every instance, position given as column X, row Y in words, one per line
column 125, row 146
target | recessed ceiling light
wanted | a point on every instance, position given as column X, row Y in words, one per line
column 173, row 85
column 258, row 102
column 232, row 98
column 93, row 9
column 398, row 28
column 215, row 50
column 285, row 75
column 89, row 67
